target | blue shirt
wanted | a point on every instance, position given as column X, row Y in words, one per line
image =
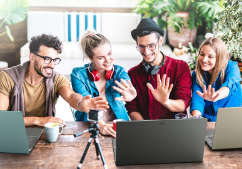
column 81, row 83
column 231, row 80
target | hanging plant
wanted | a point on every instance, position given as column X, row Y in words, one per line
column 229, row 28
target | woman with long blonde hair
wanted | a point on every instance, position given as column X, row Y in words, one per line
column 104, row 79
column 216, row 80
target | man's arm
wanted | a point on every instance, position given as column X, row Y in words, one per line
column 175, row 105
column 41, row 121
column 135, row 116
column 86, row 102
column 162, row 94
column 29, row 121
column 4, row 103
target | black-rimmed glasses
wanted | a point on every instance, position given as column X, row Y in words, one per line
column 151, row 47
column 47, row 59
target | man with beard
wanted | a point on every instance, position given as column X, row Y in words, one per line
column 163, row 84
column 34, row 87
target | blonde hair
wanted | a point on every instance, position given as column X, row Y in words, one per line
column 91, row 40
column 222, row 57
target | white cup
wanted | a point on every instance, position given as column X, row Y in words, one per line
column 52, row 130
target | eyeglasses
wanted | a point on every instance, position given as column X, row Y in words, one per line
column 151, row 47
column 47, row 59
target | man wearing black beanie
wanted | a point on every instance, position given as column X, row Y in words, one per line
column 163, row 84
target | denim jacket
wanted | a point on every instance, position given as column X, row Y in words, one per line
column 81, row 83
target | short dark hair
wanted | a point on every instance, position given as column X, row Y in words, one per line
column 147, row 32
column 46, row 40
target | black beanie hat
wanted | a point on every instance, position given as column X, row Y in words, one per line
column 147, row 24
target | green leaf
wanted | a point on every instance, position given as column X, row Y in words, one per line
column 13, row 11
column 191, row 21
column 228, row 27
column 208, row 9
column 162, row 23
column 177, row 23
column 188, row 3
column 198, row 9
column 163, row 5
column 9, row 33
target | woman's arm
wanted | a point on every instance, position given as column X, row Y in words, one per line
column 231, row 79
column 106, row 129
column 211, row 95
column 196, row 113
column 197, row 102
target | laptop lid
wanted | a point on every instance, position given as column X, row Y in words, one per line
column 160, row 141
column 227, row 134
column 13, row 133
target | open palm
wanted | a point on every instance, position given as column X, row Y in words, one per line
column 126, row 89
column 162, row 93
column 88, row 103
column 208, row 94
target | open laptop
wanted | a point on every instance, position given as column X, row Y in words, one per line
column 159, row 141
column 14, row 137
column 228, row 127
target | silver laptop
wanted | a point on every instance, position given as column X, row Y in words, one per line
column 227, row 133
column 159, row 141
column 15, row 138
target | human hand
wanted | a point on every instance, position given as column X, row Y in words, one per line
column 41, row 121
column 197, row 116
column 162, row 93
column 88, row 103
column 106, row 129
column 127, row 90
column 209, row 94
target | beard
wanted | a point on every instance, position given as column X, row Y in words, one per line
column 150, row 61
column 37, row 68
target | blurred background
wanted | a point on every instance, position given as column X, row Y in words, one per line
column 185, row 22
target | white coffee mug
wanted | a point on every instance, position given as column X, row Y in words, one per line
column 52, row 130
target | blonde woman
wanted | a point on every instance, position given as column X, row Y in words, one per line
column 216, row 81
column 102, row 78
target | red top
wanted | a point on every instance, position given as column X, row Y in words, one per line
column 145, row 103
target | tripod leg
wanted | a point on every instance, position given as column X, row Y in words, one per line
column 97, row 150
column 101, row 153
column 84, row 154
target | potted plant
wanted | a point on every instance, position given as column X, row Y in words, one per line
column 12, row 12
column 229, row 29
column 193, row 52
column 184, row 16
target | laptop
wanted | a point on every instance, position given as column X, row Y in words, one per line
column 227, row 133
column 14, row 137
column 159, row 141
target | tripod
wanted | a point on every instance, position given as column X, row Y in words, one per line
column 94, row 129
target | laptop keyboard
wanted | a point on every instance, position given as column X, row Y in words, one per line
column 31, row 139
column 211, row 138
